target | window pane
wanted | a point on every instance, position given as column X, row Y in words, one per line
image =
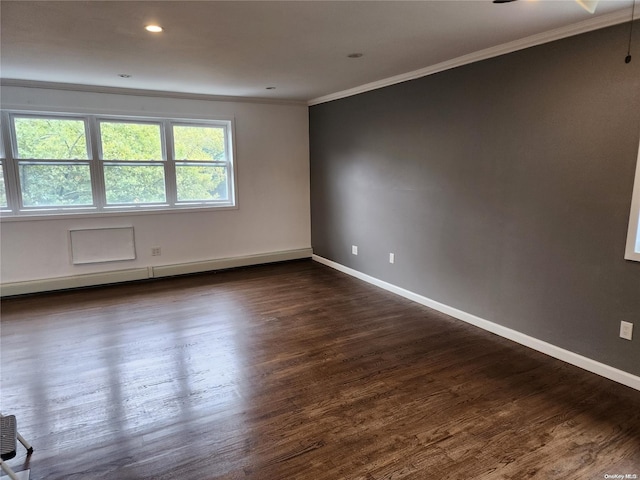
column 130, row 141
column 134, row 184
column 3, row 192
column 55, row 185
column 199, row 143
column 200, row 182
column 51, row 138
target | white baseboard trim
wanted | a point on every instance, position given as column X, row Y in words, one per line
column 144, row 273
column 620, row 376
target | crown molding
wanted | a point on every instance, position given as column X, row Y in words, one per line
column 596, row 23
column 11, row 82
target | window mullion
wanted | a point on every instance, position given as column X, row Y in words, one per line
column 229, row 160
column 170, row 164
column 12, row 180
column 95, row 164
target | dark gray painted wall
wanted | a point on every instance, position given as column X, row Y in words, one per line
column 503, row 187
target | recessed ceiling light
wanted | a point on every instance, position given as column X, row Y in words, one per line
column 124, row 75
column 153, row 28
column 355, row 55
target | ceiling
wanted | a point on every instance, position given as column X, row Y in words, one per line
column 239, row 48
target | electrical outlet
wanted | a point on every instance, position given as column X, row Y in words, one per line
column 626, row 330
column 156, row 251
column 392, row 258
column 354, row 249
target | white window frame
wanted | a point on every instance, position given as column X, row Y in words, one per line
column 632, row 251
column 3, row 163
column 18, row 207
column 208, row 163
column 10, row 161
column 160, row 162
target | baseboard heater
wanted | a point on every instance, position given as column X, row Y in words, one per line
column 144, row 273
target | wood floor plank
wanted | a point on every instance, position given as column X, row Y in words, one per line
column 294, row 371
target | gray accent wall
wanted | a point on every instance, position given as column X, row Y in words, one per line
column 503, row 187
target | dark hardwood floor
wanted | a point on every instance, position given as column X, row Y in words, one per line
column 294, row 371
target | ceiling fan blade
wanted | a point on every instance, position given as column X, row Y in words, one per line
column 588, row 5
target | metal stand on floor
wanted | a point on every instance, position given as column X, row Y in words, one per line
column 8, row 436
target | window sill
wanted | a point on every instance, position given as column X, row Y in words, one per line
column 135, row 211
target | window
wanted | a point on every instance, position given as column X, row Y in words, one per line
column 87, row 163
column 53, row 162
column 201, row 163
column 633, row 236
column 133, row 163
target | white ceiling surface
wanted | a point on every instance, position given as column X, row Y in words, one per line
column 238, row 48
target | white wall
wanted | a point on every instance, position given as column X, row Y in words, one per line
column 273, row 214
